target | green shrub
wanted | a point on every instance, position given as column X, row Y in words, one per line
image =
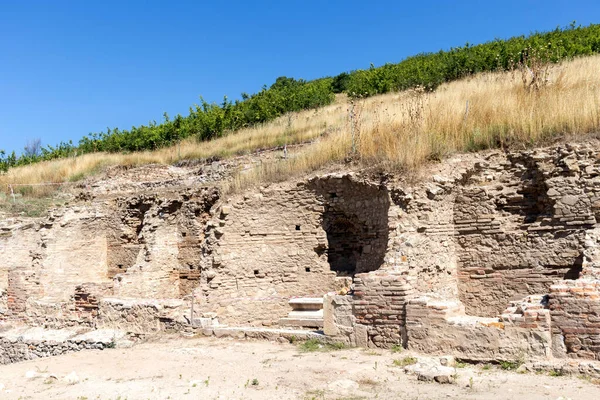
column 397, row 348
column 510, row 365
column 429, row 70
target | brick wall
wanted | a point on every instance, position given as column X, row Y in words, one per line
column 521, row 226
column 379, row 303
column 22, row 284
column 575, row 313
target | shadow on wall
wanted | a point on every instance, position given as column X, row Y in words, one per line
column 355, row 218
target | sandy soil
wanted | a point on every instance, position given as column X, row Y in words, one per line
column 210, row 368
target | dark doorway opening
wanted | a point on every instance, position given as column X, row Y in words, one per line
column 355, row 220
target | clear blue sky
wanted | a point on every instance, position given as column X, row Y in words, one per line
column 68, row 68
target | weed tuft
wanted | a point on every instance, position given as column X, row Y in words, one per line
column 397, row 348
column 406, row 361
column 312, row 345
column 510, row 365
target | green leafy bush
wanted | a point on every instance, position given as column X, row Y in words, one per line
column 429, row 70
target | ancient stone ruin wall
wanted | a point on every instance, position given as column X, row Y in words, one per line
column 158, row 248
column 438, row 264
column 241, row 259
column 22, row 344
column 442, row 327
column 43, row 263
column 139, row 316
column 521, row 226
column 86, row 302
column 355, row 219
column 17, row 350
column 55, row 271
column 298, row 241
column 17, row 242
column 265, row 252
column 422, row 242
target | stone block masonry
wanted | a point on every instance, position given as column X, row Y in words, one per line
column 441, row 327
column 22, row 344
column 140, row 316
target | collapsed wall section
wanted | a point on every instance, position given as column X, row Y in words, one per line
column 158, row 249
column 421, row 244
column 442, row 327
column 55, row 271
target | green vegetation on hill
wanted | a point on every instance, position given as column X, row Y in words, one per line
column 428, row 70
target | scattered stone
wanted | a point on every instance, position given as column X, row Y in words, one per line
column 31, row 374
column 72, row 378
column 346, row 385
column 439, row 374
column 433, row 191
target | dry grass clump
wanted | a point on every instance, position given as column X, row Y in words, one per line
column 401, row 129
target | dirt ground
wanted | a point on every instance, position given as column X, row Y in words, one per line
column 211, row 368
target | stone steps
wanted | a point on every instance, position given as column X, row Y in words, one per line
column 306, row 312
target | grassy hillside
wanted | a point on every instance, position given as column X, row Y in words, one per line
column 522, row 107
column 424, row 72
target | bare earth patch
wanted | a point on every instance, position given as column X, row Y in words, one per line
column 211, row 368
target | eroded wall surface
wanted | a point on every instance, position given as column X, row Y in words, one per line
column 522, row 224
column 508, row 228
column 277, row 244
column 54, row 271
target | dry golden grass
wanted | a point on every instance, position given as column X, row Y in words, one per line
column 484, row 111
column 401, row 129
column 411, row 127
